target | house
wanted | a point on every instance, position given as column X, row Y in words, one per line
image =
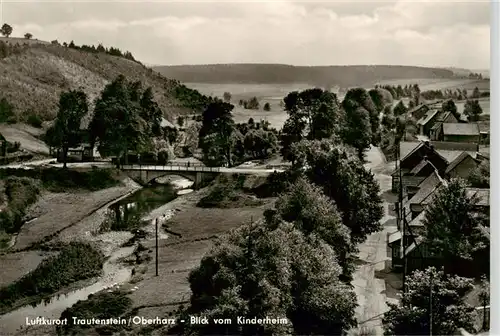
column 418, row 111
column 461, row 166
column 436, row 131
column 425, row 123
column 461, row 132
column 418, row 163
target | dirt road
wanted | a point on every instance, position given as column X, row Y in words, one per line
column 369, row 282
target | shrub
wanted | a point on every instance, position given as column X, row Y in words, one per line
column 162, row 157
column 21, row 192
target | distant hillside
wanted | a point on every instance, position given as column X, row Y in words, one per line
column 33, row 75
column 344, row 76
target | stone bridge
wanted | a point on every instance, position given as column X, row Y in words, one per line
column 145, row 174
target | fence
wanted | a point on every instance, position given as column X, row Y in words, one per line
column 172, row 167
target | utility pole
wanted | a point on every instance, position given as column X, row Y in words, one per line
column 156, row 237
column 430, row 306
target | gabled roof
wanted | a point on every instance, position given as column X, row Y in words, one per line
column 457, row 161
column 460, row 129
column 427, row 117
column 426, row 188
column 407, row 147
column 443, row 116
column 451, row 155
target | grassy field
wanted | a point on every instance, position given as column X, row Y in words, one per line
column 426, row 84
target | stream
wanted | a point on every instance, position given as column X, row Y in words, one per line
column 141, row 203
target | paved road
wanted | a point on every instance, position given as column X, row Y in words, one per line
column 369, row 284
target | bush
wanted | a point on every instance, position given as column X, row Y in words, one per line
column 34, row 121
column 76, row 261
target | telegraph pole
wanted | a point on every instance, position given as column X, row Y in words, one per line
column 430, row 306
column 156, row 238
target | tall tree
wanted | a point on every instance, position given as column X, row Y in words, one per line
column 359, row 98
column 476, row 93
column 312, row 114
column 400, row 109
column 446, row 308
column 449, row 106
column 28, row 36
column 117, row 125
column 216, row 133
column 66, row 131
column 227, row 97
column 258, row 271
column 312, row 212
column 357, row 129
column 473, row 110
column 151, row 112
column 345, row 180
column 453, row 226
column 6, row 30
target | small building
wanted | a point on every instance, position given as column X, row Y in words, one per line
column 425, row 123
column 418, row 111
column 484, row 132
column 436, row 131
column 461, row 132
column 461, row 166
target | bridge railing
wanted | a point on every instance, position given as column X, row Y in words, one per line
column 172, row 167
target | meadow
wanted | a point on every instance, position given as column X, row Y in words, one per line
column 274, row 93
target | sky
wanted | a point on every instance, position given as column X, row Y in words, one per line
column 421, row 33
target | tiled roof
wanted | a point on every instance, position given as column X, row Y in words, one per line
column 457, row 161
column 427, row 117
column 460, row 129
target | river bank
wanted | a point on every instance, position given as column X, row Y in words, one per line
column 194, row 229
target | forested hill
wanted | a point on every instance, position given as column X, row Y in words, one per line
column 33, row 75
column 344, row 76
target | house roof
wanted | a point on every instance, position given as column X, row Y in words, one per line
column 436, row 126
column 394, row 237
column 451, row 155
column 427, row 117
column 426, row 188
column 420, row 166
column 457, row 161
column 482, row 195
column 406, row 147
column 460, row 129
column 455, row 146
column 419, row 220
column 443, row 116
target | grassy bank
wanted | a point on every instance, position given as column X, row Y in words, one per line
column 75, row 261
column 59, row 179
column 99, row 306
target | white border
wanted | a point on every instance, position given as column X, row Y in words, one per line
column 495, row 182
